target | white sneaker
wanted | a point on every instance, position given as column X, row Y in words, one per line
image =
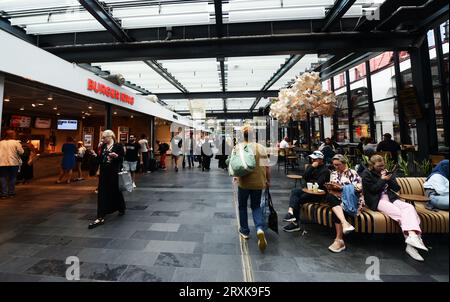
column 348, row 228
column 262, row 243
column 416, row 241
column 337, row 246
column 134, row 185
column 413, row 253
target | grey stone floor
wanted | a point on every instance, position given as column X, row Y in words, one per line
column 183, row 227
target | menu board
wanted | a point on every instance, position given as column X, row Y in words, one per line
column 42, row 123
column 19, row 121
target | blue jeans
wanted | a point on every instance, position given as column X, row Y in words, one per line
column 8, row 173
column 439, row 201
column 255, row 204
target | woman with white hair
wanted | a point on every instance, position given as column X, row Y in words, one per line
column 110, row 198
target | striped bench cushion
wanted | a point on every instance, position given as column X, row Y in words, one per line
column 375, row 222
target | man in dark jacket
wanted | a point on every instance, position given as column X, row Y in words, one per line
column 389, row 145
column 316, row 172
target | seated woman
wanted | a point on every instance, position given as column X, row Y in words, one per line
column 380, row 189
column 339, row 178
column 436, row 186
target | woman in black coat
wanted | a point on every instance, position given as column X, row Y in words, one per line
column 110, row 198
column 380, row 194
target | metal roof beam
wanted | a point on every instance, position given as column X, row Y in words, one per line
column 16, row 31
column 153, row 64
column 98, row 11
column 277, row 75
column 236, row 46
column 217, row 95
column 335, row 14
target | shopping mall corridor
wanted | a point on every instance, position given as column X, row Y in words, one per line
column 183, row 227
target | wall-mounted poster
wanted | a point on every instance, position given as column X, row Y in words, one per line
column 19, row 121
column 122, row 134
column 88, row 135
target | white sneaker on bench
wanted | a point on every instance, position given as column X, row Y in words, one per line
column 411, row 251
column 348, row 228
column 416, row 241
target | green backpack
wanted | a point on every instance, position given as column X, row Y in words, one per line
column 242, row 161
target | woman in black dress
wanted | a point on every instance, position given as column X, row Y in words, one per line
column 110, row 198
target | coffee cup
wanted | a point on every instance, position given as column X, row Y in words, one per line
column 309, row 185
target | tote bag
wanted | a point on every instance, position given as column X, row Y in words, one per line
column 242, row 161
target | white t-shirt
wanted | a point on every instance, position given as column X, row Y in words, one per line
column 284, row 144
column 144, row 143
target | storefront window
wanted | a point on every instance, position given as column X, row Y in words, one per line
column 360, row 103
column 381, row 61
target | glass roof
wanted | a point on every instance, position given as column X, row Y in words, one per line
column 65, row 16
column 251, row 73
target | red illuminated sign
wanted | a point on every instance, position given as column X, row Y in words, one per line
column 110, row 92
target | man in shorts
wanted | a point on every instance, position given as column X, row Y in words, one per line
column 131, row 157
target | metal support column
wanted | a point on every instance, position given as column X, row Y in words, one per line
column 152, row 133
column 335, row 115
column 370, row 101
column 2, row 90
column 405, row 137
column 421, row 76
column 443, row 85
column 349, row 105
column 108, row 116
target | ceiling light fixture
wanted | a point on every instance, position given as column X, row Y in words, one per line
column 22, row 109
column 115, row 112
column 58, row 113
column 55, row 108
column 40, row 104
column 50, row 97
column 132, row 116
column 33, row 105
column 90, row 107
column 6, row 99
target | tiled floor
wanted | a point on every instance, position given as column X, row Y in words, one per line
column 183, row 227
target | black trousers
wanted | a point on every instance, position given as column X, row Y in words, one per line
column 144, row 162
column 298, row 197
column 206, row 162
column 334, row 201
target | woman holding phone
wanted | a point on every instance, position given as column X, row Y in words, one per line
column 380, row 189
column 110, row 198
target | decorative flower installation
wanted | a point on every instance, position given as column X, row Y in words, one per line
column 305, row 96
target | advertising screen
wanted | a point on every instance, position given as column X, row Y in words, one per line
column 67, row 125
column 19, row 121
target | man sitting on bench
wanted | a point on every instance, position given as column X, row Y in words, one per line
column 318, row 173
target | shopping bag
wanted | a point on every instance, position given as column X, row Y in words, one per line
column 125, row 181
column 270, row 216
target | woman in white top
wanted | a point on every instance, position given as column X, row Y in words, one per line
column 436, row 186
column 338, row 179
